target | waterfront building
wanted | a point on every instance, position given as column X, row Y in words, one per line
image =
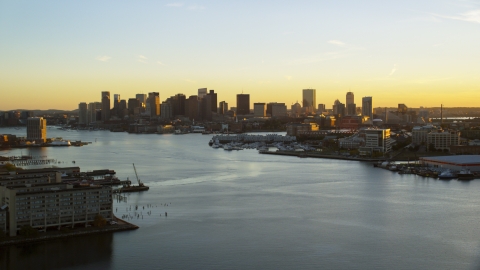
column 309, row 100
column 37, row 129
column 153, row 104
column 43, row 206
column 455, row 163
column 376, row 140
column 243, row 104
column 420, row 133
column 259, row 110
column 278, row 109
column 442, row 139
column 82, row 113
column 367, row 107
column 202, row 92
column 293, row 129
column 105, row 106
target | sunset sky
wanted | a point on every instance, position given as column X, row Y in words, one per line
column 56, row 54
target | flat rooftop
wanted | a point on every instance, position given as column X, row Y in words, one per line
column 459, row 160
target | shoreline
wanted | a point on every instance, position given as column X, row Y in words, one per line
column 315, row 155
column 121, row 225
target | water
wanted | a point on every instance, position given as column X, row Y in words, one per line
column 243, row 210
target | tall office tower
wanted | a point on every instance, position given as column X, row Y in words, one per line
column 350, row 105
column 243, row 104
column 367, row 107
column 36, row 129
column 213, row 96
column 259, row 110
column 153, row 101
column 202, row 92
column 166, row 110
column 321, row 108
column 142, row 98
column 205, row 108
column 122, row 109
column 116, row 100
column 133, row 104
column 350, row 98
column 223, row 107
column 179, row 104
column 191, row 108
column 279, row 110
column 351, row 109
column 91, row 113
column 93, row 109
column 338, row 108
column 82, row 113
column 105, row 106
column 309, row 100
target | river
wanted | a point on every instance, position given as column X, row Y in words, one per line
column 243, row 210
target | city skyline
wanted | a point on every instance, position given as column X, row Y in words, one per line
column 421, row 53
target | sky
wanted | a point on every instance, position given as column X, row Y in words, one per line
column 56, row 54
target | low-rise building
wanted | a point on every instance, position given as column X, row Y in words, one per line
column 442, row 139
column 419, row 134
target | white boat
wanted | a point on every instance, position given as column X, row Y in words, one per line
column 446, row 175
column 227, row 147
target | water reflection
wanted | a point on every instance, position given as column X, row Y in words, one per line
column 63, row 253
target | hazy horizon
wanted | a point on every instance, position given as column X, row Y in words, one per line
column 420, row 53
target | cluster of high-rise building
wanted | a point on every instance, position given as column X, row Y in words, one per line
column 205, row 104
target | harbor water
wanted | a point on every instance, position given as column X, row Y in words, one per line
column 243, row 210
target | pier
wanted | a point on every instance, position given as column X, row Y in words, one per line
column 269, row 138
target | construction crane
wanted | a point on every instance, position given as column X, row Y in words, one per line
column 140, row 184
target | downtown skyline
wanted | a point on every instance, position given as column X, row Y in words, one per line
column 421, row 53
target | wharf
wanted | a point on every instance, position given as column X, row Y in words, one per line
column 121, row 225
column 317, row 155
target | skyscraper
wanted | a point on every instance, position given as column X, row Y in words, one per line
column 82, row 113
column 202, row 92
column 116, row 100
column 153, row 101
column 133, row 103
column 36, row 129
column 142, row 98
column 309, row 100
column 351, row 107
column 213, row 96
column 243, row 104
column 367, row 107
column 223, row 108
column 105, row 106
column 350, row 98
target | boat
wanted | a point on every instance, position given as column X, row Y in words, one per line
column 446, row 175
column 132, row 188
column 227, row 147
column 465, row 175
